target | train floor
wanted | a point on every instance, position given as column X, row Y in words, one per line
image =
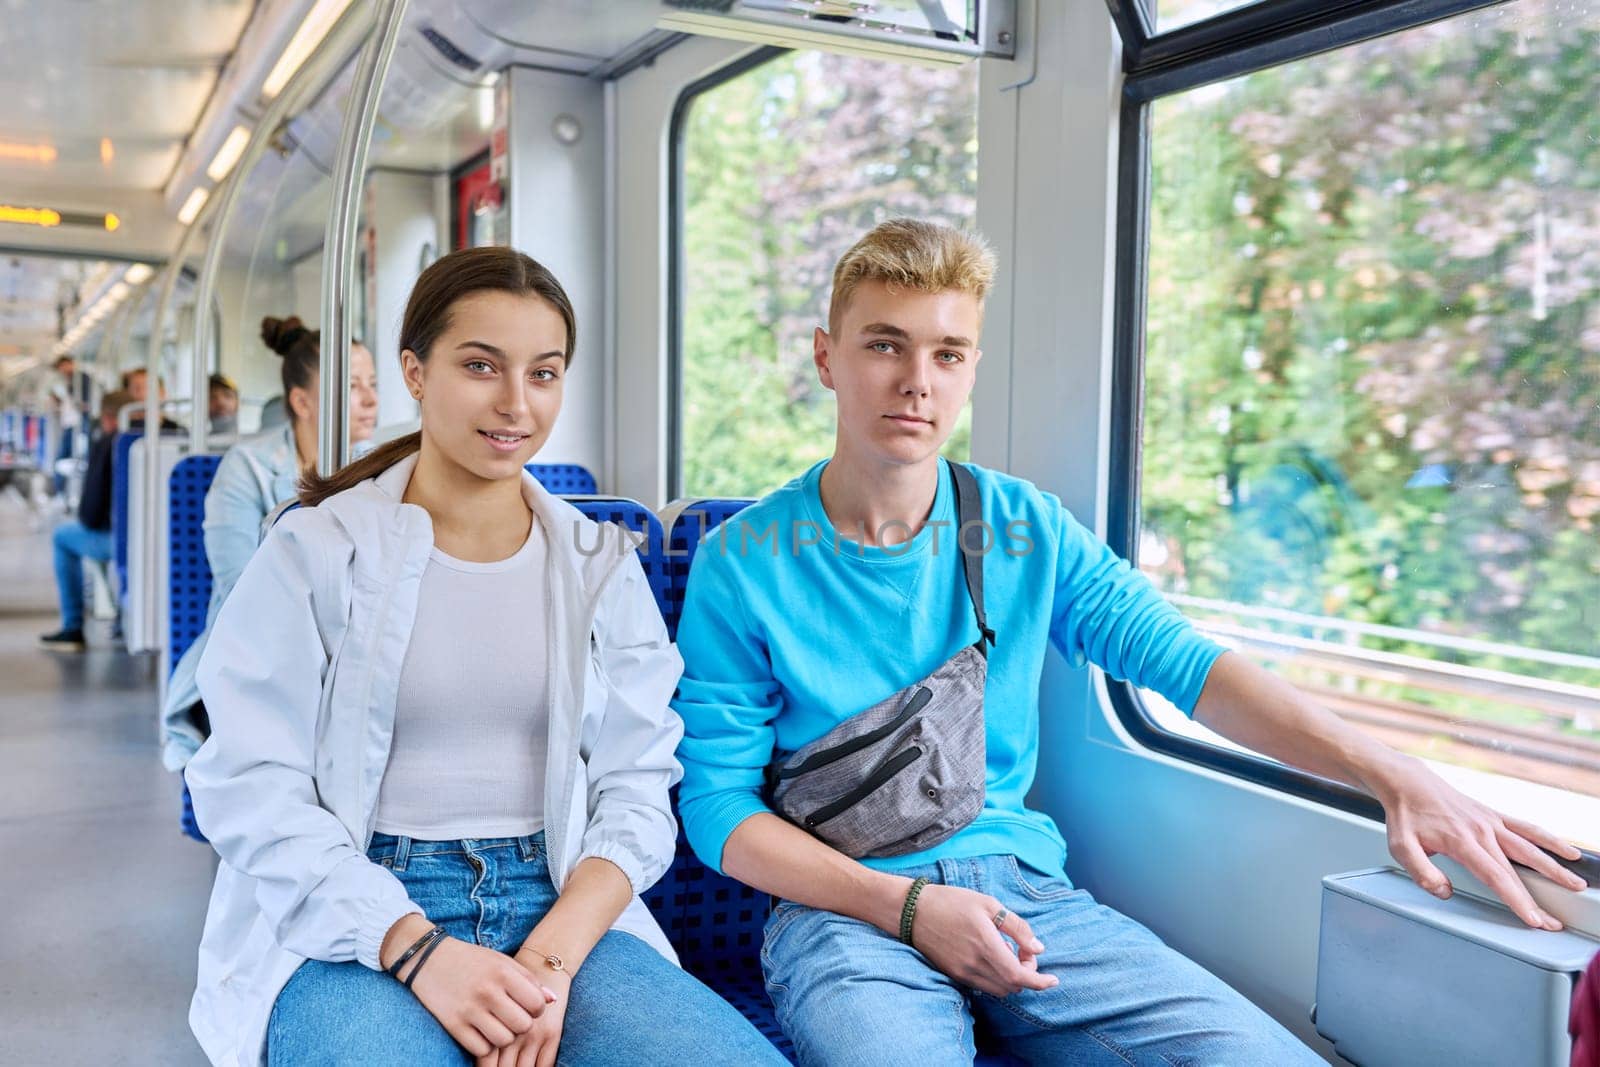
column 101, row 897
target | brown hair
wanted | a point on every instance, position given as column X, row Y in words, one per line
column 470, row 270
column 914, row 254
column 301, row 350
column 113, row 402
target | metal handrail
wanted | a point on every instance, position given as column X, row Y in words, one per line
column 130, row 314
column 361, row 111
column 311, row 73
column 150, row 554
column 111, row 337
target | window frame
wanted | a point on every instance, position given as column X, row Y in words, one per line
column 676, row 249
column 1266, row 32
column 1264, row 35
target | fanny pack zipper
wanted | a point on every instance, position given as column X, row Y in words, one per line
column 899, row 762
column 914, row 704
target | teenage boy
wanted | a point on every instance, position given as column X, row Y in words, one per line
column 845, row 590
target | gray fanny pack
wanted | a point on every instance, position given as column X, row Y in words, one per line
column 908, row 772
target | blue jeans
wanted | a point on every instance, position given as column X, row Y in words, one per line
column 847, row 994
column 73, row 543
column 627, row 1004
column 63, row 451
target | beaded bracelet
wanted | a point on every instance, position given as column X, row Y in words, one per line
column 909, row 912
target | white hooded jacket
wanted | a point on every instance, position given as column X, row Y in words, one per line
column 300, row 677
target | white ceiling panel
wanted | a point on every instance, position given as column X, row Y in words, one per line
column 99, row 98
column 33, row 287
column 87, row 163
column 134, row 73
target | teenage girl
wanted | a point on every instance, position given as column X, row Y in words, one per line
column 441, row 742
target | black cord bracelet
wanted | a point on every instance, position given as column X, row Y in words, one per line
column 909, row 911
column 435, row 943
column 393, row 970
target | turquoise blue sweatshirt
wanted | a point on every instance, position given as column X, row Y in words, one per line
column 790, row 626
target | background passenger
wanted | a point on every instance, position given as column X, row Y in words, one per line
column 255, row 476
column 223, row 404
column 442, row 742
column 136, row 384
column 69, row 397
column 90, row 536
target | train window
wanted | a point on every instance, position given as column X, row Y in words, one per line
column 781, row 166
column 1173, row 14
column 271, row 265
column 1371, row 427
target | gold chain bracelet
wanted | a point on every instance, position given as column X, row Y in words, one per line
column 551, row 960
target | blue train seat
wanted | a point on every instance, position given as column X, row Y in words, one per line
column 188, row 572
column 642, row 522
column 564, row 478
column 714, row 922
column 119, row 508
column 634, row 516
column 691, row 525
column 556, row 477
column 720, row 920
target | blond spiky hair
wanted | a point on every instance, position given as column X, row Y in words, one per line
column 913, row 254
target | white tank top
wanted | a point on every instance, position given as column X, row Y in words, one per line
column 471, row 718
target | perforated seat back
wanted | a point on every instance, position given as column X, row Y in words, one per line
column 188, row 570
column 188, row 573
column 721, row 919
column 564, row 478
column 693, row 523
column 639, row 519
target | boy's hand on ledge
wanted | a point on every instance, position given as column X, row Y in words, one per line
column 1427, row 816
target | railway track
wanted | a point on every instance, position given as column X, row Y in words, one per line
column 1343, row 678
column 1563, row 762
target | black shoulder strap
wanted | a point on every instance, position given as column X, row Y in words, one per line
column 969, row 516
column 277, row 513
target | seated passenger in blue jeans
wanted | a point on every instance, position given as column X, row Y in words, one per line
column 441, row 742
column 255, row 476
column 917, row 889
column 89, row 538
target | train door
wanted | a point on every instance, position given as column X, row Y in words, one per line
column 477, row 206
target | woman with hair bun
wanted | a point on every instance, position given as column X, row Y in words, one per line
column 257, row 475
column 301, row 351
